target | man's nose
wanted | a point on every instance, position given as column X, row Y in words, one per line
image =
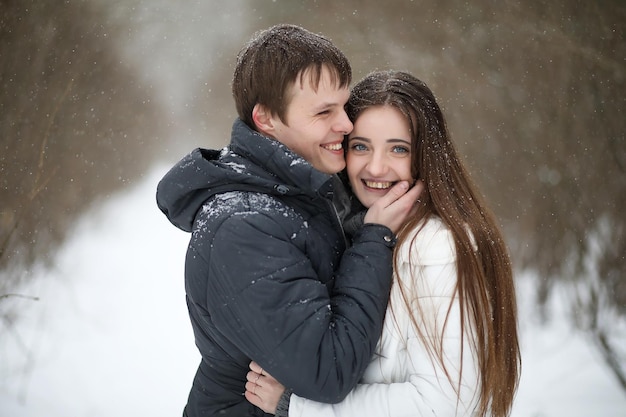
column 343, row 124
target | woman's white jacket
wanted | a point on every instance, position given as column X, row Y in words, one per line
column 403, row 379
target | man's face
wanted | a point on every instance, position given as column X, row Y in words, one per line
column 315, row 123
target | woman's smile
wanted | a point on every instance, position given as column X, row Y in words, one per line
column 379, row 153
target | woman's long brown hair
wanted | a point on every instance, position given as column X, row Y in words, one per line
column 485, row 286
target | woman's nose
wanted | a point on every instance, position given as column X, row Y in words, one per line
column 377, row 165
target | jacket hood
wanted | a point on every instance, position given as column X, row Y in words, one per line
column 252, row 162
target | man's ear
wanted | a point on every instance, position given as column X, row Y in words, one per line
column 263, row 120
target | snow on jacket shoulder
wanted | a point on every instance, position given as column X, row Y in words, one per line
column 267, row 274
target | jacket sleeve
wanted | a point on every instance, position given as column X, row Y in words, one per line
column 266, row 298
column 417, row 385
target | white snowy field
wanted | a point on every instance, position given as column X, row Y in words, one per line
column 109, row 335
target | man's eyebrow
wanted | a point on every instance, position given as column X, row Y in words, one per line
column 328, row 104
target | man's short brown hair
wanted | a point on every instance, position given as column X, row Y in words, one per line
column 271, row 62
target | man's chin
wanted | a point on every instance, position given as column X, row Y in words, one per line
column 332, row 168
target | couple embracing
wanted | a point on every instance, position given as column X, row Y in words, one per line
column 341, row 261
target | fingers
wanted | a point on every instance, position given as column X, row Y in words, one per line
column 392, row 209
column 263, row 391
column 403, row 200
column 253, row 377
column 253, row 397
column 411, row 196
column 254, row 382
column 394, row 193
column 255, row 367
column 251, row 387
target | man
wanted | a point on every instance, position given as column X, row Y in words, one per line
column 268, row 274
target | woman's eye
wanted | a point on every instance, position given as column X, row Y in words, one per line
column 359, row 147
column 401, row 149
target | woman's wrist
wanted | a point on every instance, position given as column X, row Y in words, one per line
column 282, row 408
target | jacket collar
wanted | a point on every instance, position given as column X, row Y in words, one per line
column 280, row 161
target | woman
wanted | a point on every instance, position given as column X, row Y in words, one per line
column 449, row 345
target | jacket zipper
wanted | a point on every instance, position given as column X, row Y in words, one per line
column 338, row 221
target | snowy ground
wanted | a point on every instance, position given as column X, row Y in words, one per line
column 109, row 335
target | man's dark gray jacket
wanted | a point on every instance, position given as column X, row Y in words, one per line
column 268, row 274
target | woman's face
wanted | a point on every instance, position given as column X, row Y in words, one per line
column 379, row 153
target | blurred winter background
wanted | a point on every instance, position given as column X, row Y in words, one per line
column 99, row 97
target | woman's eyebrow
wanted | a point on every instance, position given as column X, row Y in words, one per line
column 361, row 138
column 390, row 140
column 397, row 140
